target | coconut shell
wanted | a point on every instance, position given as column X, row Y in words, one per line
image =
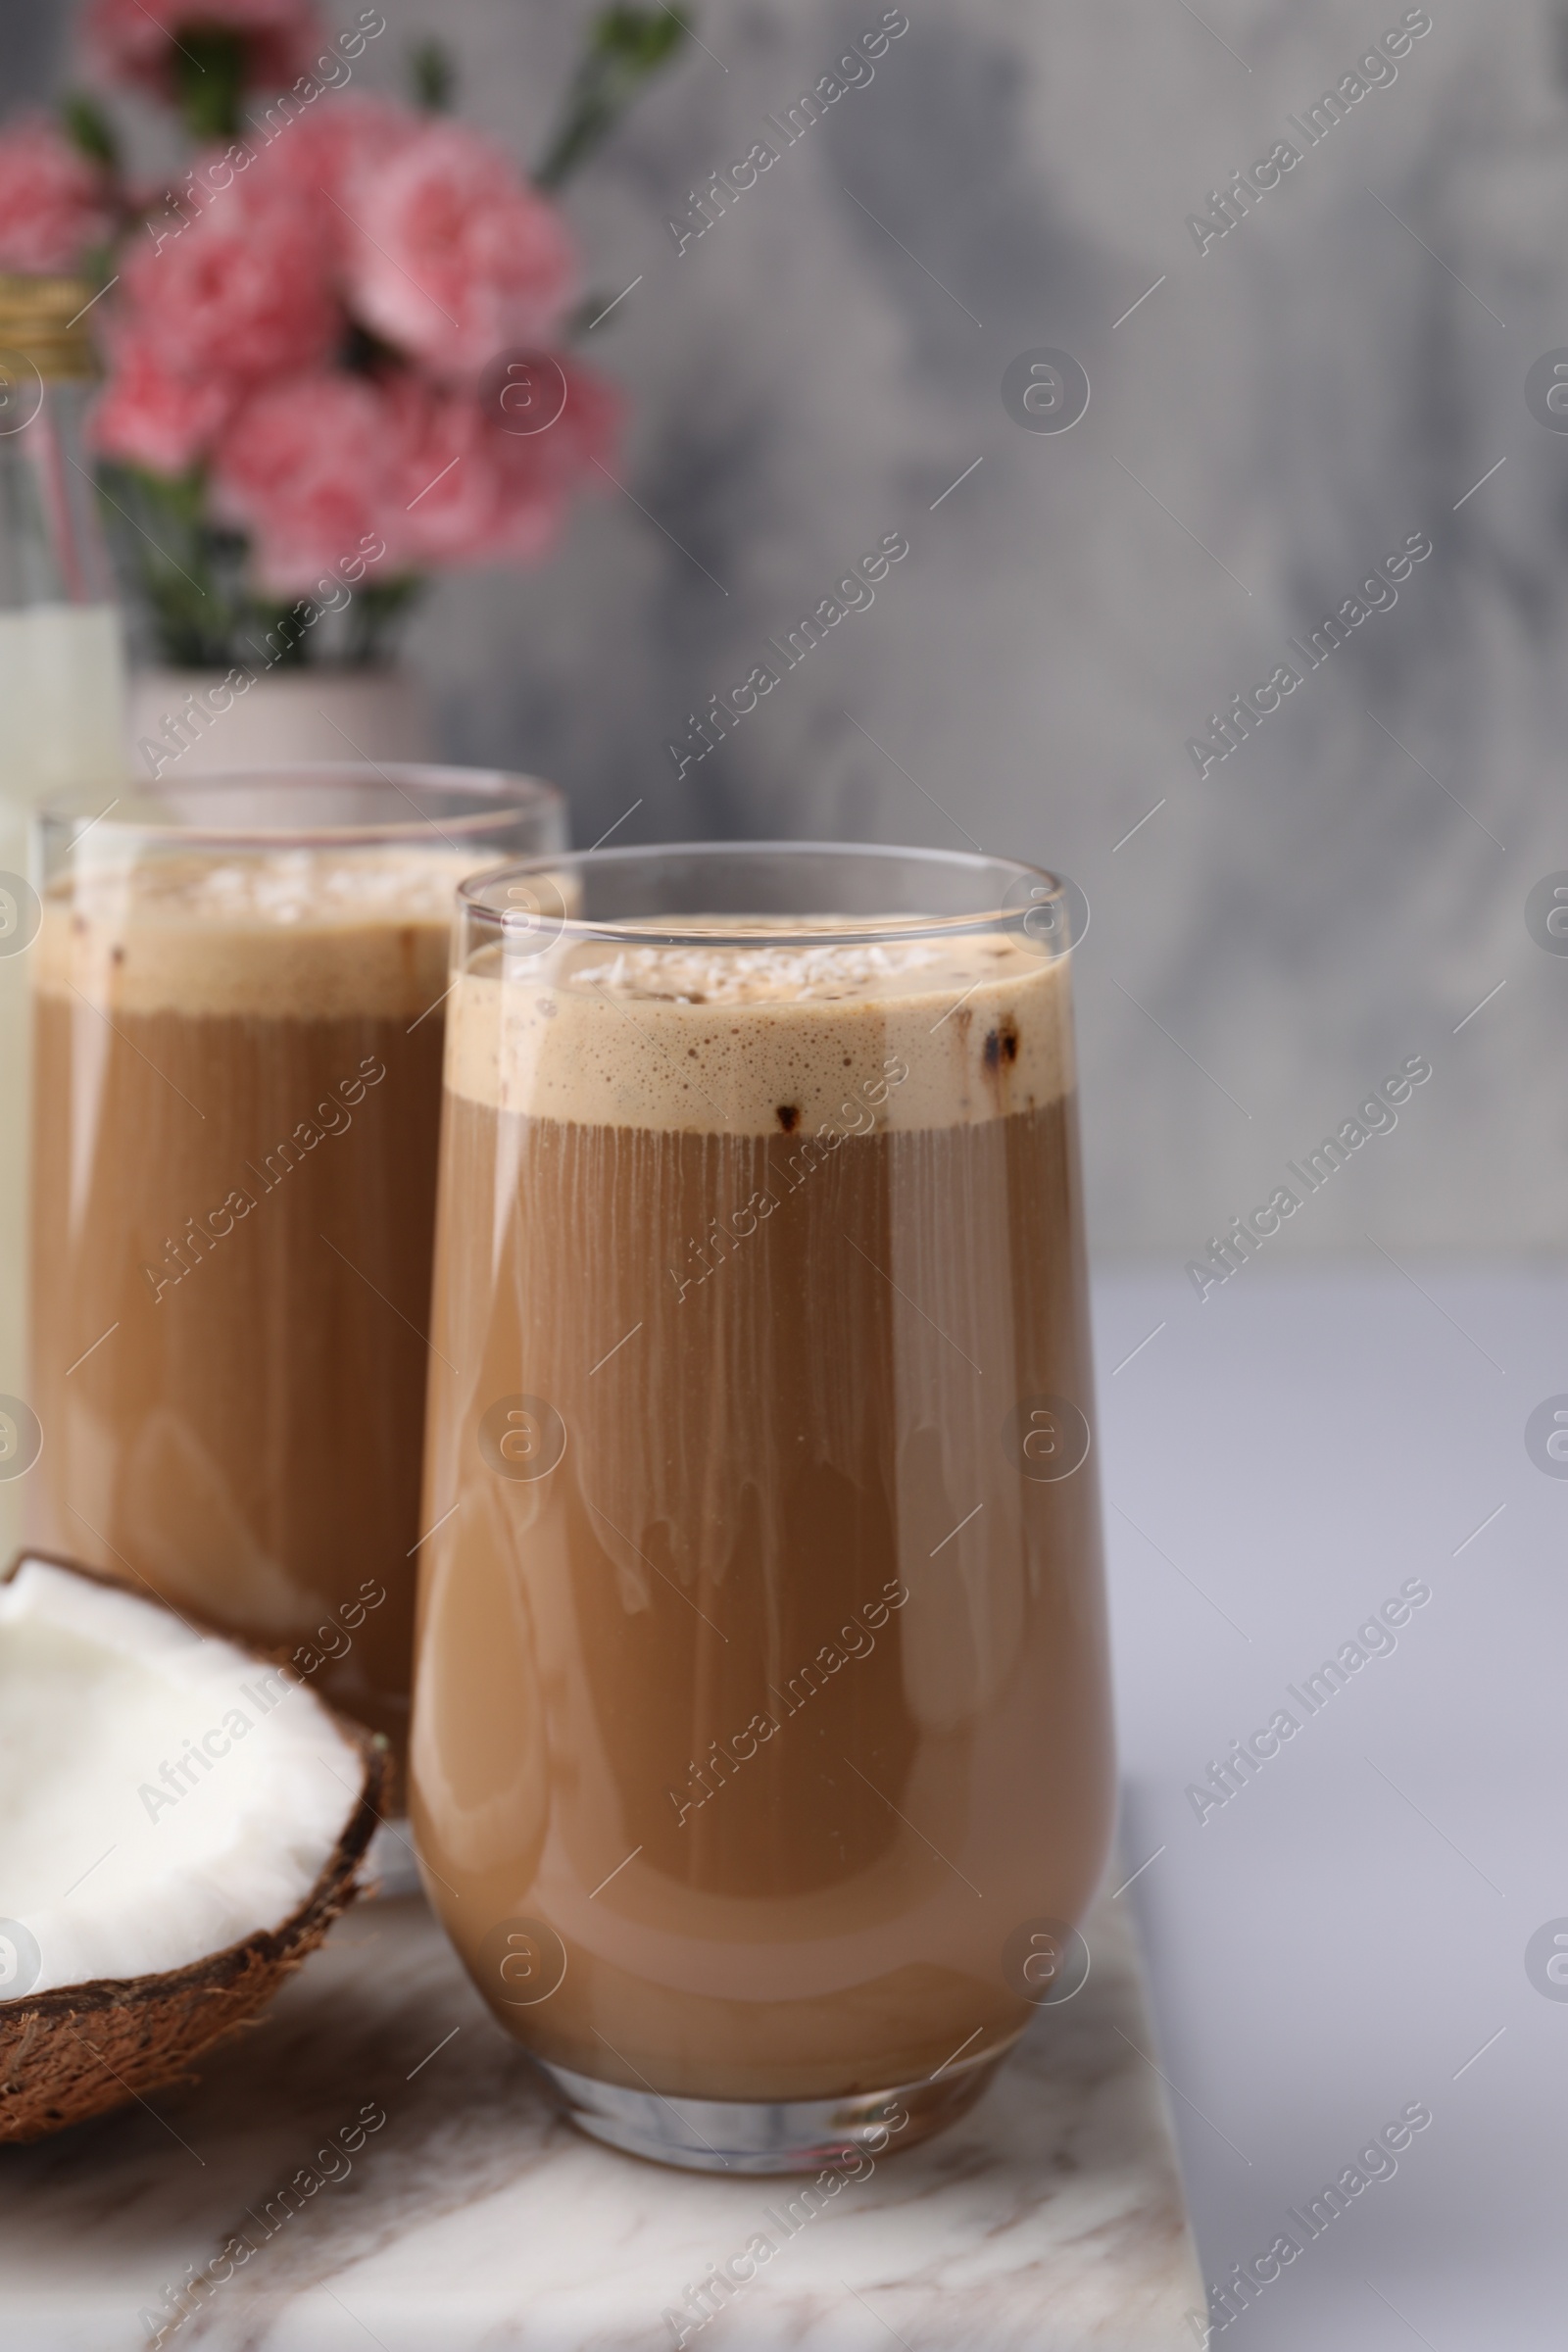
column 83, row 2049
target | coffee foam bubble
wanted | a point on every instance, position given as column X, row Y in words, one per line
column 767, row 1038
column 309, row 933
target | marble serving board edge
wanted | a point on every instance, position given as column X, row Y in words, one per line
column 472, row 2215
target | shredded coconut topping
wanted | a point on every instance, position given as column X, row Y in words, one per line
column 314, row 932
column 764, row 975
column 322, row 886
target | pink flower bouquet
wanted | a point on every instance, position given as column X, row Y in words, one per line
column 342, row 339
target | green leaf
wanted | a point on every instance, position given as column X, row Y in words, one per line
column 376, row 614
column 150, row 522
column 209, row 78
column 188, row 581
column 625, row 48
column 435, row 76
column 88, row 128
column 643, row 37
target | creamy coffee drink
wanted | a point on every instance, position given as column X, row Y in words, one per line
column 762, row 1696
column 237, row 1069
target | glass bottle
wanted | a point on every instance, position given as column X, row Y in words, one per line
column 62, row 722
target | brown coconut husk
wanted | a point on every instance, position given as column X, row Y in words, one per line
column 82, row 2050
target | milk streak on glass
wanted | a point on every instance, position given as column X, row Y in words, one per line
column 778, row 1241
column 233, row 1194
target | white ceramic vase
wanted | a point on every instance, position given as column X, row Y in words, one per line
column 186, row 722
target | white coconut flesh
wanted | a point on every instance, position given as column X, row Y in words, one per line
column 162, row 1794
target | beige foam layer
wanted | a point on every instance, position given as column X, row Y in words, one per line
column 765, row 1040
column 301, row 934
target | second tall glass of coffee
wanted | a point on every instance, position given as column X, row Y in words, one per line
column 238, row 994
column 762, row 1754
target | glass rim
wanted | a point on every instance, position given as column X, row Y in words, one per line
column 506, row 793
column 834, row 927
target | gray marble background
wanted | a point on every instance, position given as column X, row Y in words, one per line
column 1336, row 373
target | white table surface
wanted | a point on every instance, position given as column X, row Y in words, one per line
column 1347, row 1934
column 1345, row 1938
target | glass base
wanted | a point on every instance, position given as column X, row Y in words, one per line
column 763, row 2135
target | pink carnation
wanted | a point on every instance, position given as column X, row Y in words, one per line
column 305, row 466
column 317, row 465
column 466, row 257
column 586, row 433
column 536, row 487
column 545, row 469
column 442, row 491
column 243, row 291
column 468, row 491
column 52, row 201
column 326, row 150
column 148, row 416
column 135, row 40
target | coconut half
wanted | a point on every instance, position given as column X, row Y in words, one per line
column 181, row 1821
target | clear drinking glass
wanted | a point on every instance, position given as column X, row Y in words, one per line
column 238, row 994
column 762, row 1754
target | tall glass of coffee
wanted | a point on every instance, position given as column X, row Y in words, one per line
column 762, row 1754
column 238, row 1000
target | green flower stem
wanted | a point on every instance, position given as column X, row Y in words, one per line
column 189, row 576
column 625, row 47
